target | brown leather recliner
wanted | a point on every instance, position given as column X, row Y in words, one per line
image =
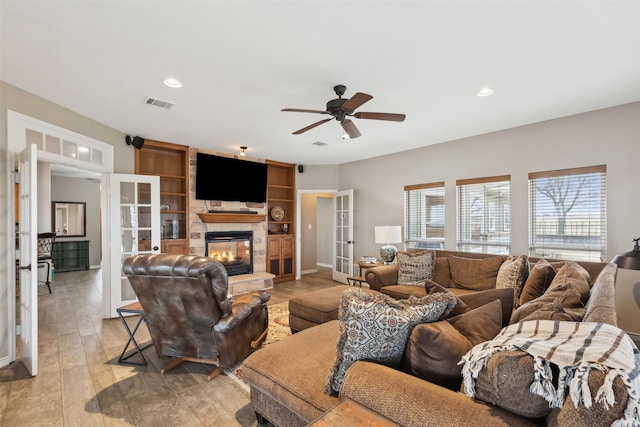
column 188, row 312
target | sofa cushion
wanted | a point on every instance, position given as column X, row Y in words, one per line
column 403, row 291
column 513, row 273
column 415, row 267
column 376, row 328
column 540, row 277
column 480, row 298
column 475, row 274
column 442, row 272
column 434, row 349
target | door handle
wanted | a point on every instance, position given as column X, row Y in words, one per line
column 155, row 248
column 26, row 267
column 350, row 242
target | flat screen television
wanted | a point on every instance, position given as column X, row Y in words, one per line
column 231, row 180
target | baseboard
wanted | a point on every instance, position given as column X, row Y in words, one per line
column 325, row 265
column 315, row 270
column 94, row 267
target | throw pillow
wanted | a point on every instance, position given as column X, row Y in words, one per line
column 434, row 349
column 432, row 287
column 513, row 273
column 375, row 327
column 574, row 275
column 475, row 274
column 563, row 302
column 539, row 279
column 415, row 267
column 480, row 298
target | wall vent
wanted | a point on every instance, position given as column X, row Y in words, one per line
column 320, row 143
column 158, row 103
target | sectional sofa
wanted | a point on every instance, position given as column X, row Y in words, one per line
column 287, row 379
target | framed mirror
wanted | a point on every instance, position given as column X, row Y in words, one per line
column 69, row 219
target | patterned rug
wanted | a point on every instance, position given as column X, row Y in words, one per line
column 278, row 329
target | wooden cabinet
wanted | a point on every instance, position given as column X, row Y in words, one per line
column 281, row 257
column 70, row 255
column 171, row 163
column 281, row 251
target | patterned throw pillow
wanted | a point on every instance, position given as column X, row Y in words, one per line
column 376, row 328
column 415, row 268
column 513, row 273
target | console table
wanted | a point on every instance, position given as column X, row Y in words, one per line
column 70, row 255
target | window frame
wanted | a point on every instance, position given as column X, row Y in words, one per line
column 417, row 216
column 493, row 228
column 594, row 217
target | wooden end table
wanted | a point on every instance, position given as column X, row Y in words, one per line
column 351, row 413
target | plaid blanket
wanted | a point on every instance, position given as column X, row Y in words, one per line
column 575, row 348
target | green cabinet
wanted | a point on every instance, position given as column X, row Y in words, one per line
column 71, row 255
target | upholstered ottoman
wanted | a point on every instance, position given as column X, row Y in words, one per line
column 318, row 307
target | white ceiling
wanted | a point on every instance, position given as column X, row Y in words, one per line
column 242, row 61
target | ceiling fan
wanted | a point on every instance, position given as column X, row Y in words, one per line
column 343, row 108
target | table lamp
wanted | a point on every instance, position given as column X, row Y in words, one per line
column 385, row 235
column 628, row 289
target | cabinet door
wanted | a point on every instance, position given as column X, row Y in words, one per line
column 273, row 255
column 288, row 250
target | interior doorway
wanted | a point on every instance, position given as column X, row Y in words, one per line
column 315, row 225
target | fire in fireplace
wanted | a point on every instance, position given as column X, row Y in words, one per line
column 233, row 249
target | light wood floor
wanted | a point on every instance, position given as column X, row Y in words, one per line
column 80, row 384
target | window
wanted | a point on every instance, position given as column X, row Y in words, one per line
column 484, row 214
column 424, row 215
column 567, row 214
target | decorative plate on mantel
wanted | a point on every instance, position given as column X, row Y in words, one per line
column 277, row 213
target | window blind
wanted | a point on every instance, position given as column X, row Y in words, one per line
column 424, row 215
column 484, row 214
column 568, row 214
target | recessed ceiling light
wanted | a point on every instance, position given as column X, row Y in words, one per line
column 485, row 91
column 171, row 82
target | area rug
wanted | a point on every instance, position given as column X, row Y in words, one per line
column 278, row 329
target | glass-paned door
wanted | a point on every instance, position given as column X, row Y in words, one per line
column 133, row 206
column 343, row 215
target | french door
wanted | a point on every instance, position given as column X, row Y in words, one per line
column 132, row 226
column 343, row 217
column 29, row 259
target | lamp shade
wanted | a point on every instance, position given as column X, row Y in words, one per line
column 388, row 234
column 629, row 260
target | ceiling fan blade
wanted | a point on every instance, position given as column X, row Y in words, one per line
column 380, row 116
column 356, row 100
column 302, row 110
column 351, row 129
column 298, row 132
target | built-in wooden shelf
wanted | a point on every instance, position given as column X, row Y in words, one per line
column 230, row 218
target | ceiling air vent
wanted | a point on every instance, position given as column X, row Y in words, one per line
column 320, row 143
column 158, row 103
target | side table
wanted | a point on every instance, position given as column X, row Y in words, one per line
column 134, row 308
column 364, row 266
column 351, row 413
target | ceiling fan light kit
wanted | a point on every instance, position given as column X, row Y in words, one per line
column 342, row 108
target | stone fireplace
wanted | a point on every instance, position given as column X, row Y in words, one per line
column 233, row 249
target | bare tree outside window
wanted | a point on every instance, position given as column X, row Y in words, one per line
column 565, row 193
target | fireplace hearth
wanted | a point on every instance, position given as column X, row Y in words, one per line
column 233, row 249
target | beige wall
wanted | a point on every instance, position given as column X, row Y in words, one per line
column 610, row 136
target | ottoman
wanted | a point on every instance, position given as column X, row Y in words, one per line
column 315, row 308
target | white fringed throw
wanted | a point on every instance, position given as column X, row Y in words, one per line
column 575, row 348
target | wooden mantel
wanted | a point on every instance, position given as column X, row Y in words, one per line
column 230, row 218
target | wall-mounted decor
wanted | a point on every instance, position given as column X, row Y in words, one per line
column 69, row 219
